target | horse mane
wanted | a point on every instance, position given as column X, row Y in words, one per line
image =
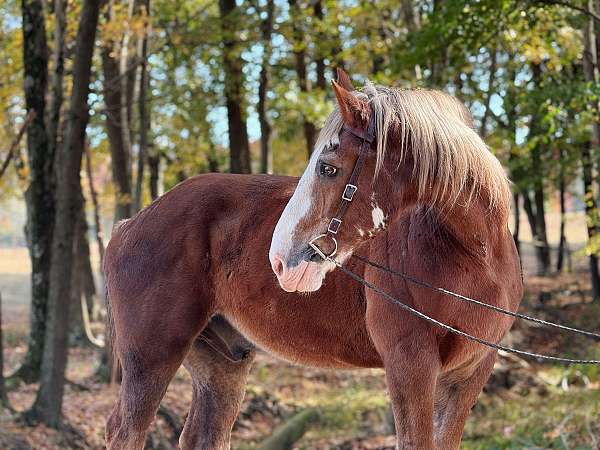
column 450, row 159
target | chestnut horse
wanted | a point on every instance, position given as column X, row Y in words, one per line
column 189, row 282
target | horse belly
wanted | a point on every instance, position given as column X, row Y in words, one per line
column 290, row 336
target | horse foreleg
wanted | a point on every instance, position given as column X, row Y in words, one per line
column 411, row 369
column 219, row 380
column 454, row 398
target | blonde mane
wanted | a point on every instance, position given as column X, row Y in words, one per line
column 450, row 159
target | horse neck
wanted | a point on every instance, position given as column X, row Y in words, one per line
column 475, row 227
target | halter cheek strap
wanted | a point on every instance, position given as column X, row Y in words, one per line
column 367, row 137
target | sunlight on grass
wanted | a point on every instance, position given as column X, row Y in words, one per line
column 552, row 419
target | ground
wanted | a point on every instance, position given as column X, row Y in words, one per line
column 526, row 405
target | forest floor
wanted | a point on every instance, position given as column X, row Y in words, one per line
column 524, row 406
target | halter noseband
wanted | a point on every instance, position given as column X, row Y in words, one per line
column 350, row 189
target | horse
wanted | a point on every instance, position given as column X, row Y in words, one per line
column 224, row 264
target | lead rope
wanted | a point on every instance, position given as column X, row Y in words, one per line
column 442, row 325
column 424, row 284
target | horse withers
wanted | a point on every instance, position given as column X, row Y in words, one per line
column 189, row 278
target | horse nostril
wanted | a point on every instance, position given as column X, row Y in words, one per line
column 278, row 266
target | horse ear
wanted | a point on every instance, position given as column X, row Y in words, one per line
column 344, row 80
column 355, row 112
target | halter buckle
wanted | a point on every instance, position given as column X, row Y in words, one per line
column 334, row 225
column 317, row 249
column 349, row 192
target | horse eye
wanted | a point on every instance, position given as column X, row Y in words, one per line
column 327, row 171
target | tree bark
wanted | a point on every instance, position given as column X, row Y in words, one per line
column 319, row 54
column 117, row 129
column 542, row 246
column 3, row 398
column 286, row 434
column 528, row 207
column 154, row 168
column 58, row 69
column 239, row 147
column 591, row 69
column 299, row 49
column 95, row 204
column 439, row 62
column 82, row 281
column 39, row 199
column 144, row 113
column 489, row 93
column 76, row 330
column 48, row 403
column 591, row 211
column 517, row 227
column 562, row 243
column 537, row 174
column 266, row 158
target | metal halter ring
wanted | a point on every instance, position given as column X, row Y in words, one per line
column 317, row 249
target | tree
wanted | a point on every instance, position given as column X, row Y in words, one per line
column 266, row 159
column 299, row 49
column 3, row 397
column 143, row 110
column 48, row 402
column 117, row 122
column 591, row 70
column 239, row 147
column 39, row 199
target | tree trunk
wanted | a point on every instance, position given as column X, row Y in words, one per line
column 144, row 114
column 76, row 329
column 127, row 70
column 591, row 211
column 239, row 147
column 58, row 68
column 517, row 227
column 48, row 403
column 95, row 204
column 542, row 246
column 117, row 129
column 3, row 397
column 562, row 243
column 299, row 45
column 413, row 23
column 489, row 93
column 537, row 175
column 320, row 38
column 82, row 282
column 154, row 168
column 528, row 207
column 591, row 69
column 439, row 63
column 266, row 158
column 39, row 199
column 285, row 435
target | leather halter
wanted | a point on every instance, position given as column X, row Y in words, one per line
column 367, row 137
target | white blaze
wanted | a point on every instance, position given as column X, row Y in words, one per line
column 378, row 217
column 298, row 206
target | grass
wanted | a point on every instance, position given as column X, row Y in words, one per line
column 555, row 419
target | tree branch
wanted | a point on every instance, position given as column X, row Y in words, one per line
column 30, row 116
column 581, row 9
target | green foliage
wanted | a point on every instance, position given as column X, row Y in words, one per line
column 538, row 106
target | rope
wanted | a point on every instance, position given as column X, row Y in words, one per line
column 424, row 284
column 439, row 324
